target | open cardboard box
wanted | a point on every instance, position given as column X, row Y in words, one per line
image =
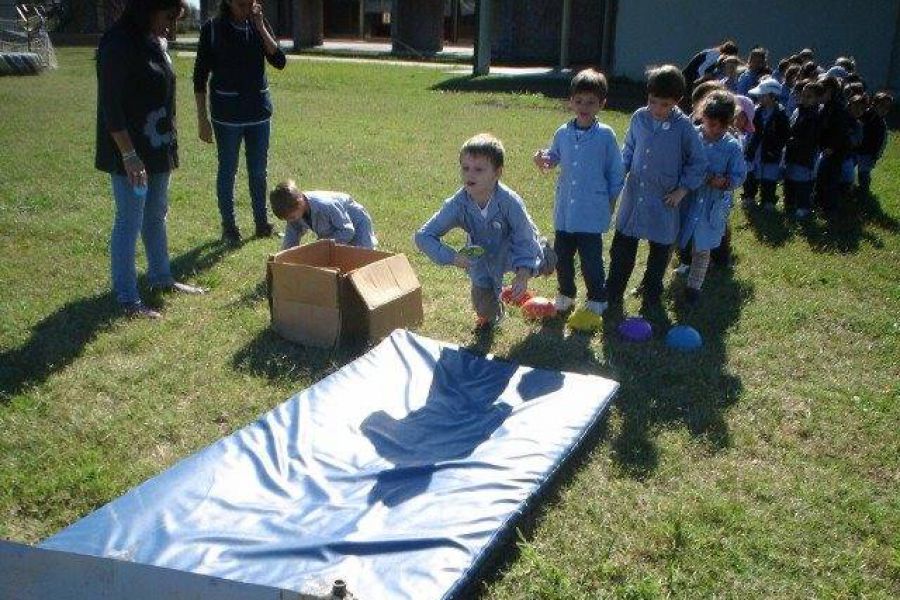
column 323, row 293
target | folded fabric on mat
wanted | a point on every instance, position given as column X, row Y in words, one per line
column 399, row 473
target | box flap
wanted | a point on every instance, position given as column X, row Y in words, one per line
column 318, row 254
column 303, row 283
column 349, row 258
column 381, row 282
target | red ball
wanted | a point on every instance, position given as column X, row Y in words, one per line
column 538, row 308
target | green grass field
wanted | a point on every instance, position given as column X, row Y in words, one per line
column 766, row 465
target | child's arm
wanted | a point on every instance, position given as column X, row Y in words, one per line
column 628, row 145
column 615, row 171
column 737, row 167
column 428, row 238
column 525, row 247
column 693, row 166
column 292, row 234
column 547, row 158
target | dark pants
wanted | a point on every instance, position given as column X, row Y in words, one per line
column 721, row 256
column 798, row 194
column 590, row 252
column 828, row 182
column 622, row 254
column 256, row 149
column 751, row 186
column 767, row 191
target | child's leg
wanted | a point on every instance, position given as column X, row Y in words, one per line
column 699, row 265
column 590, row 251
column 565, row 244
column 622, row 253
column 656, row 268
column 751, row 185
column 486, row 302
column 803, row 195
column 864, row 172
column 790, row 195
column 767, row 192
column 722, row 255
column 684, row 255
column 828, row 182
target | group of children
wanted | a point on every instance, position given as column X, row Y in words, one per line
column 673, row 180
column 815, row 129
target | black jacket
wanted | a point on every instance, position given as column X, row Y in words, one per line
column 836, row 125
column 773, row 135
column 803, row 143
column 874, row 134
column 135, row 92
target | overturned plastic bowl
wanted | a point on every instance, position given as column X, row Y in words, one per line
column 635, row 329
column 684, row 338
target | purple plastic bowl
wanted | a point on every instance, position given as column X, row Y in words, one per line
column 635, row 329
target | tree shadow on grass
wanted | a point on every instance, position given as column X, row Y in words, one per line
column 58, row 339
column 844, row 230
column 660, row 386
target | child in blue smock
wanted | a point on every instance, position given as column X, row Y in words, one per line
column 497, row 225
column 330, row 215
column 801, row 151
column 756, row 67
column 874, row 138
column 663, row 161
column 704, row 212
column 590, row 179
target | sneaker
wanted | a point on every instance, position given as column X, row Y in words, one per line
column 265, row 230
column 596, row 306
column 139, row 310
column 682, row 269
column 801, row 213
column 231, row 236
column 691, row 296
column 181, row 288
column 563, row 303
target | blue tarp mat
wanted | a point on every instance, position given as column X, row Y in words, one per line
column 398, row 473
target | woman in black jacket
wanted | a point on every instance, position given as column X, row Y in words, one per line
column 233, row 49
column 137, row 143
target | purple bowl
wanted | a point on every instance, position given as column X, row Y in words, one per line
column 635, row 329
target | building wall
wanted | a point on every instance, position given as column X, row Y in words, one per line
column 7, row 9
column 657, row 31
column 529, row 31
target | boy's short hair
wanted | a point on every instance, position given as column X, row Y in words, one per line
column 809, row 69
column 484, row 144
column 831, row 84
column 791, row 72
column 284, row 198
column 701, row 90
column 806, row 54
column 858, row 99
column 729, row 47
column 719, row 105
column 814, row 86
column 591, row 82
column 666, row 81
column 760, row 52
column 783, row 65
column 846, row 62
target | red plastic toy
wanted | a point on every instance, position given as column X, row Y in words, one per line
column 538, row 308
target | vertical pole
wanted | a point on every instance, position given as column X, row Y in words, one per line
column 565, row 34
column 362, row 19
column 483, row 40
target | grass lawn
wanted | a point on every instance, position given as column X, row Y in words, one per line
column 766, row 465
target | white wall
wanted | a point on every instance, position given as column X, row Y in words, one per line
column 670, row 31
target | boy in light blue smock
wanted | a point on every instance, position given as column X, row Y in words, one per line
column 330, row 215
column 590, row 179
column 663, row 161
column 497, row 225
column 704, row 213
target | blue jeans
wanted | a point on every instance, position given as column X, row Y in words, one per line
column 146, row 216
column 256, row 150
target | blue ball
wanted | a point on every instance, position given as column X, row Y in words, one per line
column 684, row 337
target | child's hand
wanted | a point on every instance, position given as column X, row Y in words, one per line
column 674, row 197
column 462, row 262
column 542, row 161
column 520, row 284
column 719, row 182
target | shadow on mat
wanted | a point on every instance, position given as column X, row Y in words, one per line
column 58, row 339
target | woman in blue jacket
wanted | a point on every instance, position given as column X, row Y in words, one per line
column 233, row 49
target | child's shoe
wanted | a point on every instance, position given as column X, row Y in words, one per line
column 231, row 236
column 585, row 320
column 682, row 269
column 563, row 303
column 139, row 310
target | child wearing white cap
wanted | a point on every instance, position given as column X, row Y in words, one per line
column 766, row 145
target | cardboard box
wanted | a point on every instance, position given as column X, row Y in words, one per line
column 324, row 293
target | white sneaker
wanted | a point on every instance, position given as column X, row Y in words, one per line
column 595, row 306
column 682, row 269
column 563, row 303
